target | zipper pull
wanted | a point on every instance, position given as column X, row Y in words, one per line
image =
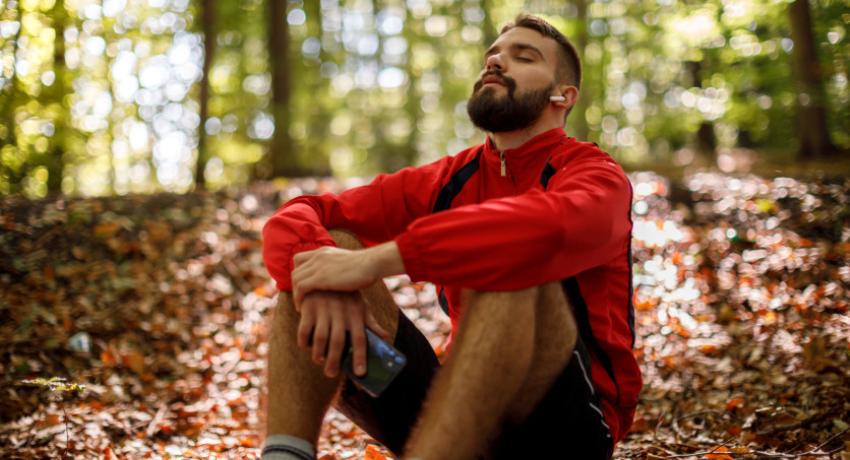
column 504, row 167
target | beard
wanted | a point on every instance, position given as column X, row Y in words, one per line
column 496, row 114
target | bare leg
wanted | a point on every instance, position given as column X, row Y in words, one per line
column 510, row 348
column 299, row 394
column 555, row 335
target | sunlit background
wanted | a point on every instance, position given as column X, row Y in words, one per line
column 109, row 97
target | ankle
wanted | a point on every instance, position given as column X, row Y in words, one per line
column 286, row 447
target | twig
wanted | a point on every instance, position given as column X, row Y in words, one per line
column 65, row 452
column 812, row 452
column 828, row 440
column 788, row 426
column 157, row 418
column 724, row 443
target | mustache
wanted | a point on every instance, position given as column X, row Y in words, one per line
column 509, row 82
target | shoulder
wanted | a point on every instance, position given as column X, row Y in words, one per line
column 574, row 155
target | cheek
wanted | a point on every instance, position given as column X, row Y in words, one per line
column 533, row 78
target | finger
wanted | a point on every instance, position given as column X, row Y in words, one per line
column 337, row 340
column 320, row 334
column 303, row 285
column 306, row 326
column 358, row 339
column 299, row 291
column 376, row 327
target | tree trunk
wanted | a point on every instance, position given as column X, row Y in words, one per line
column 12, row 176
column 811, row 101
column 490, row 32
column 281, row 160
column 705, row 140
column 577, row 120
column 55, row 160
column 413, row 104
column 208, row 29
column 320, row 114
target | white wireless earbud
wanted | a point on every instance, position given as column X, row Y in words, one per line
column 557, row 98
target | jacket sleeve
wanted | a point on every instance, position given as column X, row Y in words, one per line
column 376, row 212
column 581, row 221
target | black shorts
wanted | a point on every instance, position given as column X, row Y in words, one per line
column 567, row 423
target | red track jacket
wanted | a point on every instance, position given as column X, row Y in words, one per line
column 560, row 212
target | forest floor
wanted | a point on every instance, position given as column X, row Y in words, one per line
column 153, row 310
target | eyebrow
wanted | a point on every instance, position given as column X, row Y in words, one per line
column 518, row 47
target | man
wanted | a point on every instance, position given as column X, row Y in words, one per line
column 527, row 237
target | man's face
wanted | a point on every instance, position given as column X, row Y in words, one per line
column 516, row 82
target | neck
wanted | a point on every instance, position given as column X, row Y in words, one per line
column 512, row 139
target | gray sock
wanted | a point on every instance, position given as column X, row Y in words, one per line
column 286, row 447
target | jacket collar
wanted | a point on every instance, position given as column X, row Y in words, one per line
column 528, row 158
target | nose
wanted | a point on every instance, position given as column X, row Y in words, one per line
column 494, row 61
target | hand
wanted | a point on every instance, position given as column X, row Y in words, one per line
column 326, row 317
column 331, row 269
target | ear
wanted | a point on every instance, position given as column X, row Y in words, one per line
column 570, row 94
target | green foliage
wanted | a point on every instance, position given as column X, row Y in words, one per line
column 102, row 97
column 56, row 385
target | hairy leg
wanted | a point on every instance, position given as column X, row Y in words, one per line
column 555, row 335
column 299, row 394
column 510, row 348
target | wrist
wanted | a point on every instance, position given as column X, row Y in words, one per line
column 385, row 260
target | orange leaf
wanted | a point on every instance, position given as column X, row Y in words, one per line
column 106, row 229
column 373, row 453
column 735, row 403
column 135, row 361
column 708, row 348
column 109, row 357
column 719, row 454
column 247, row 441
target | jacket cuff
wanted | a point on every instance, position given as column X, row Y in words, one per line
column 411, row 256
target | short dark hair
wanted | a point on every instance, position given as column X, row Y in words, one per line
column 569, row 64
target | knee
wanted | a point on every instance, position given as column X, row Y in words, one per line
column 544, row 295
column 345, row 239
column 502, row 311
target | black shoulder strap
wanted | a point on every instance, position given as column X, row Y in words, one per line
column 455, row 184
column 444, row 201
column 548, row 172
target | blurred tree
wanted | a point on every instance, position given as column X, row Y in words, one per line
column 577, row 120
column 55, row 101
column 281, row 160
column 812, row 129
column 490, row 32
column 11, row 165
column 208, row 29
column 705, row 141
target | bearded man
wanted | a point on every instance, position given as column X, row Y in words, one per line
column 527, row 237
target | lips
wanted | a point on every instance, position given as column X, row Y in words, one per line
column 492, row 79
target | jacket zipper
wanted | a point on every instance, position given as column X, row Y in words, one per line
column 504, row 167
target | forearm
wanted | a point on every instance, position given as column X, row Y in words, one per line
column 385, row 260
